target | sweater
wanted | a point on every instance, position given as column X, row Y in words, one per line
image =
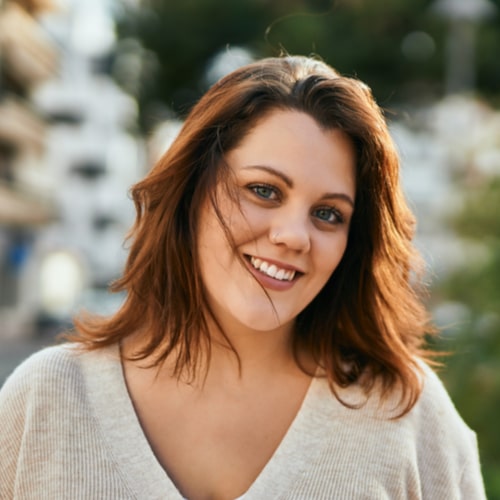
column 69, row 431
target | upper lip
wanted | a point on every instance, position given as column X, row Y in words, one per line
column 277, row 263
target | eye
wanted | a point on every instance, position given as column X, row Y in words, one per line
column 329, row 215
column 265, row 191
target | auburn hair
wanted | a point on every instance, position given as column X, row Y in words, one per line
column 369, row 319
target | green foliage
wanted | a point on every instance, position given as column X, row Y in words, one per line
column 358, row 37
column 480, row 217
column 184, row 36
column 472, row 375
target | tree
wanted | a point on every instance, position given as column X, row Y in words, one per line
column 363, row 38
column 472, row 375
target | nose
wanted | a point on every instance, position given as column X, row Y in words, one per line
column 294, row 234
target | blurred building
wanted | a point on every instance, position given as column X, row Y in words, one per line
column 70, row 155
column 27, row 58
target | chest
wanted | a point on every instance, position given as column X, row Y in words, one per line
column 215, row 443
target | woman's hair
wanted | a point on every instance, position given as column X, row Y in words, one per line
column 368, row 319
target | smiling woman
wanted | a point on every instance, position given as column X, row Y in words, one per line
column 283, row 222
column 272, row 342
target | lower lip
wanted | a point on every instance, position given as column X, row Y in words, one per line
column 270, row 283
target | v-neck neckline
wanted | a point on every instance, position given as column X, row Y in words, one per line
column 134, row 457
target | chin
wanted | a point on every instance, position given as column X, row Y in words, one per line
column 265, row 321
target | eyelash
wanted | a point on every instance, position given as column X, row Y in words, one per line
column 337, row 215
column 256, row 187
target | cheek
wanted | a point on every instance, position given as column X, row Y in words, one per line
column 215, row 249
column 331, row 254
column 211, row 241
column 247, row 223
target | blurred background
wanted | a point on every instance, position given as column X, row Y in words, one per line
column 93, row 91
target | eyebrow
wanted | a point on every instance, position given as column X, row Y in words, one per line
column 289, row 182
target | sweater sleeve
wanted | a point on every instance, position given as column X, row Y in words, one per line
column 51, row 439
column 45, row 426
column 447, row 448
column 471, row 481
column 13, row 408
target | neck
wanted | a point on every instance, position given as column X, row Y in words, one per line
column 244, row 351
column 241, row 355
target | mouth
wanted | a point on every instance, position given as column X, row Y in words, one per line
column 272, row 270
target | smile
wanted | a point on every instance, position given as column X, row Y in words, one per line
column 272, row 270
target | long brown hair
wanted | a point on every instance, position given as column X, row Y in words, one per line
column 368, row 318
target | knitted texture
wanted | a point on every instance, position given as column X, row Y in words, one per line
column 69, row 431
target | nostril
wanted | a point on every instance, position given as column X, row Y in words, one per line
column 296, row 239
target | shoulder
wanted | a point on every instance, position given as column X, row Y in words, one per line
column 435, row 407
column 52, row 372
column 429, row 450
column 54, row 388
column 49, row 359
column 432, row 430
column 446, row 447
column 50, row 363
column 53, row 409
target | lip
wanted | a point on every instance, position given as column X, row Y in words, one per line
column 272, row 283
column 277, row 263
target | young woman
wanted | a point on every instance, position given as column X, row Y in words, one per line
column 272, row 341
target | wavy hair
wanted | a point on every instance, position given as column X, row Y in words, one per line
column 368, row 319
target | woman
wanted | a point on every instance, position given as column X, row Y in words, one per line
column 272, row 341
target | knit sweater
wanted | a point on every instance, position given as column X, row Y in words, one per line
column 68, row 430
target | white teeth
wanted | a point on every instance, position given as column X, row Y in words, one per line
column 272, row 270
column 280, row 274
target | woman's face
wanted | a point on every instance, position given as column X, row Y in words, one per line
column 296, row 187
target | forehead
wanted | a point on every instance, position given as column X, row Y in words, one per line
column 295, row 144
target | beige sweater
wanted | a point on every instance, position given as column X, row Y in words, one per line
column 68, row 430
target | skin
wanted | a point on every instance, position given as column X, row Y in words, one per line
column 214, row 437
column 296, row 181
